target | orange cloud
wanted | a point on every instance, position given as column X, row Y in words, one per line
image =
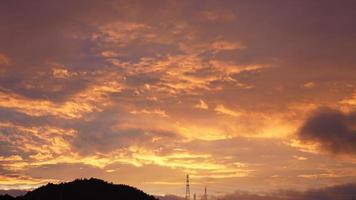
column 158, row 112
column 202, row 105
column 81, row 103
column 224, row 45
column 221, row 109
column 351, row 101
column 189, row 89
column 309, row 85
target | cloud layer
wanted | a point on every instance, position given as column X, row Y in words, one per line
column 345, row 191
column 218, row 90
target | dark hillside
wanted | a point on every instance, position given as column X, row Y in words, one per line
column 85, row 189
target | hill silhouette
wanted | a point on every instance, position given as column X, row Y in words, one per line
column 83, row 189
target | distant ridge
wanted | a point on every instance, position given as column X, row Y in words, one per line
column 83, row 189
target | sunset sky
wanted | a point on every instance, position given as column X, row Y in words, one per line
column 250, row 95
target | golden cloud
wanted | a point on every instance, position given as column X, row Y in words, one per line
column 221, row 109
column 202, row 105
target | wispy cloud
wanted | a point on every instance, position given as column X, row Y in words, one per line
column 221, row 109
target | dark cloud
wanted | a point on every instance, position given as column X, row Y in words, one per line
column 333, row 130
column 102, row 133
column 65, row 171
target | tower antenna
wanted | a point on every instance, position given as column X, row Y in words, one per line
column 187, row 189
column 205, row 194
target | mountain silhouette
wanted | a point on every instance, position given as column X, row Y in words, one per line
column 83, row 189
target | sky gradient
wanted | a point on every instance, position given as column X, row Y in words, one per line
column 242, row 95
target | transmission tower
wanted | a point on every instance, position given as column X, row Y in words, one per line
column 187, row 189
column 205, row 194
